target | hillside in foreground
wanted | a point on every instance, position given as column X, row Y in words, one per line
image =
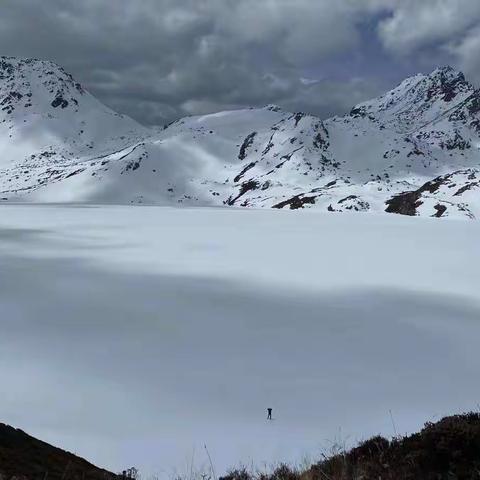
column 23, row 456
column 448, row 449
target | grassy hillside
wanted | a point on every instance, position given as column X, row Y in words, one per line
column 448, row 449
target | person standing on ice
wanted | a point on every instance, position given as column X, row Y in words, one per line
column 269, row 413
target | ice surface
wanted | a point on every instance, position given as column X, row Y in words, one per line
column 135, row 335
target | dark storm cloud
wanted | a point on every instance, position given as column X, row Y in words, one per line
column 160, row 59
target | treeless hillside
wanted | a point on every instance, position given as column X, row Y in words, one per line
column 24, row 456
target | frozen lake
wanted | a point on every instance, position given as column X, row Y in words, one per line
column 136, row 335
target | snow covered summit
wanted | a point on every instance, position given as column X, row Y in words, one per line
column 418, row 100
column 43, row 107
column 414, row 150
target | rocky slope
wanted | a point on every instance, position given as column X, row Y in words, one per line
column 413, row 151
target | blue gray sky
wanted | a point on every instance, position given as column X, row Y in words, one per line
column 158, row 60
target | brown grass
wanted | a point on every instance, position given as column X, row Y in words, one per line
column 448, row 449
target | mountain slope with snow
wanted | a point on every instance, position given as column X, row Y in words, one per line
column 413, row 151
column 49, row 126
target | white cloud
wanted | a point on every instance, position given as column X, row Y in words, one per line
column 415, row 24
column 466, row 51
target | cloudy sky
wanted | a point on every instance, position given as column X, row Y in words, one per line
column 157, row 60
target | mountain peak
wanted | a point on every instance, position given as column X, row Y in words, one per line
column 24, row 82
column 9, row 66
column 418, row 100
column 44, row 109
column 447, row 70
column 447, row 83
column 273, row 108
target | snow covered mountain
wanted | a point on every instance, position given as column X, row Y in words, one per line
column 50, row 126
column 413, row 151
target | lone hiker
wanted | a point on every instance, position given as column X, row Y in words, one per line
column 269, row 411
